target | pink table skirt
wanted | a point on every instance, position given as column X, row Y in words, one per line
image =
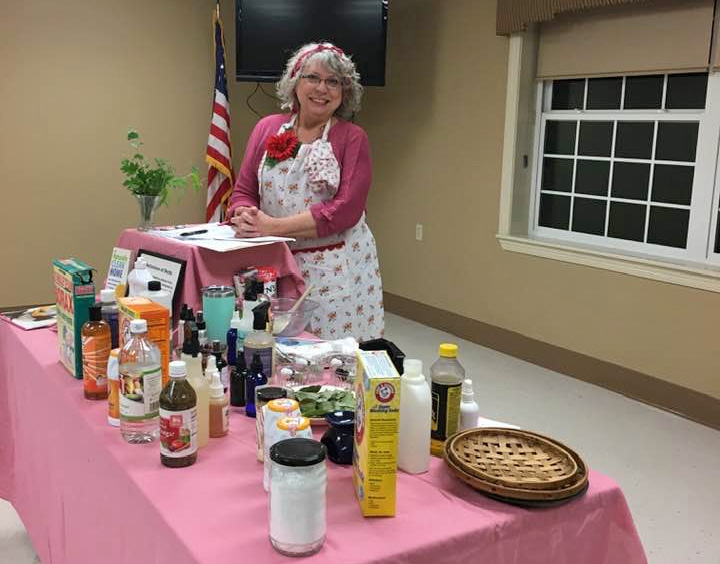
column 206, row 267
column 86, row 496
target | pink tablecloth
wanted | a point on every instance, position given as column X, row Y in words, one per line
column 85, row 496
column 206, row 267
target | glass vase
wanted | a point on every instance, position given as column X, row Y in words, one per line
column 148, row 207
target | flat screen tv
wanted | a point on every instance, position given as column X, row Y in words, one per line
column 269, row 31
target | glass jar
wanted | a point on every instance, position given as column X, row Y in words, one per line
column 298, row 483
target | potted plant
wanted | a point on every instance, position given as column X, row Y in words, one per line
column 152, row 184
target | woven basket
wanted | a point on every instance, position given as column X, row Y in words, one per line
column 516, row 464
column 516, row 459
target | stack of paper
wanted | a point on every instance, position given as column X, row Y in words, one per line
column 215, row 236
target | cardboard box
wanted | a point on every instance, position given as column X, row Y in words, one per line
column 158, row 322
column 377, row 422
column 74, row 294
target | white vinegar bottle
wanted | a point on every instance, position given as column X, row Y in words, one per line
column 469, row 409
column 415, row 419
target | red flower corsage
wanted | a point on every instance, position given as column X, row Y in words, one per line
column 281, row 147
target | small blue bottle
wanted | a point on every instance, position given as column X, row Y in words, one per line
column 255, row 377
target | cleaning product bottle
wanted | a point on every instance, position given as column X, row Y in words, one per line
column 219, row 406
column 469, row 409
column 110, row 314
column 155, row 293
column 446, row 376
column 95, row 354
column 415, row 418
column 245, row 327
column 260, row 341
column 140, row 386
column 218, row 351
column 256, row 377
column 191, row 356
column 138, row 278
column 178, row 419
column 237, row 381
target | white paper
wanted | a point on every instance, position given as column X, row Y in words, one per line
column 483, row 422
column 33, row 318
column 218, row 237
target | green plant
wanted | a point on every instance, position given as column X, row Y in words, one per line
column 144, row 179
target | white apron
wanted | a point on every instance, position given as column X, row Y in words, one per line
column 343, row 267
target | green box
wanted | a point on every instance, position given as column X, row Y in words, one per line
column 74, row 294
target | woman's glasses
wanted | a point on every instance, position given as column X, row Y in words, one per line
column 332, row 83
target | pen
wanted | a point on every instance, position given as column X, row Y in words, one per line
column 198, row 232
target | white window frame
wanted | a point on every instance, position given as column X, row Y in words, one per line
column 698, row 267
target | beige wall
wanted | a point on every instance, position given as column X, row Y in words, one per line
column 436, row 135
column 77, row 74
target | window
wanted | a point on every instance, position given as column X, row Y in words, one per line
column 629, row 163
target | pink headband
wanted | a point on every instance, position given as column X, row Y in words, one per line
column 312, row 51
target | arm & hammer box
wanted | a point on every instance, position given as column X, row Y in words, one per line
column 158, row 323
column 377, row 421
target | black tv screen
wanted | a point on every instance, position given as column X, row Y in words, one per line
column 269, row 31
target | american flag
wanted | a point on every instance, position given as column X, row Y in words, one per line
column 219, row 153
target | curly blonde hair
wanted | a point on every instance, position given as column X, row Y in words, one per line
column 337, row 62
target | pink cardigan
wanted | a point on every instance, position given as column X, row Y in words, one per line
column 352, row 151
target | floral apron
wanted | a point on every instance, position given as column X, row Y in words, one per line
column 343, row 267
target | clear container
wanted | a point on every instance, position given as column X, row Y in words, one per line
column 298, row 486
column 140, row 386
column 446, row 378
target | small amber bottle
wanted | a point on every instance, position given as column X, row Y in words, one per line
column 178, row 419
column 95, row 354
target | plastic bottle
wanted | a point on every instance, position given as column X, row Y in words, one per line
column 108, row 301
column 180, row 337
column 96, row 347
column 138, row 278
column 114, row 388
column 219, row 406
column 237, row 381
column 256, row 377
column 155, row 293
column 469, row 409
column 218, row 351
column 415, row 419
column 193, row 360
column 260, row 341
column 140, row 386
column 245, row 327
column 446, row 377
column 178, row 419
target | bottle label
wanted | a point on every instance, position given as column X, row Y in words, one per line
column 266, row 357
column 178, row 432
column 226, row 418
column 445, row 410
column 113, row 387
column 95, row 354
column 140, row 394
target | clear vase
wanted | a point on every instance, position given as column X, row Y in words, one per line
column 148, row 207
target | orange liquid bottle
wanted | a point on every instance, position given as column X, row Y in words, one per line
column 95, row 353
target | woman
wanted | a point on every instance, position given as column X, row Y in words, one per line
column 306, row 175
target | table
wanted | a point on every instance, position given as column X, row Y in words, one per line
column 85, row 496
column 205, row 267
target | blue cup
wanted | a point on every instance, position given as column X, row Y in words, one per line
column 218, row 307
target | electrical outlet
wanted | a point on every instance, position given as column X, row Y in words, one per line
column 418, row 232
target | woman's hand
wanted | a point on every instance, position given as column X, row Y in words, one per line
column 243, row 222
column 252, row 222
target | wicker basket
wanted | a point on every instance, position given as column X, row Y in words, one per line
column 515, row 464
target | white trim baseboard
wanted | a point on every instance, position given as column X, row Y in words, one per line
column 695, row 276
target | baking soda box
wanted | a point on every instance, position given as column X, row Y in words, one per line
column 377, row 422
column 74, row 294
column 158, row 322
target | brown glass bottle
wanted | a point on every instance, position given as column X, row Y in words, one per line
column 178, row 419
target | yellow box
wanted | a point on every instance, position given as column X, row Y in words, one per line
column 158, row 322
column 377, row 421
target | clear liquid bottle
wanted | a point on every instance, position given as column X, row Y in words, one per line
column 446, row 378
column 140, row 386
